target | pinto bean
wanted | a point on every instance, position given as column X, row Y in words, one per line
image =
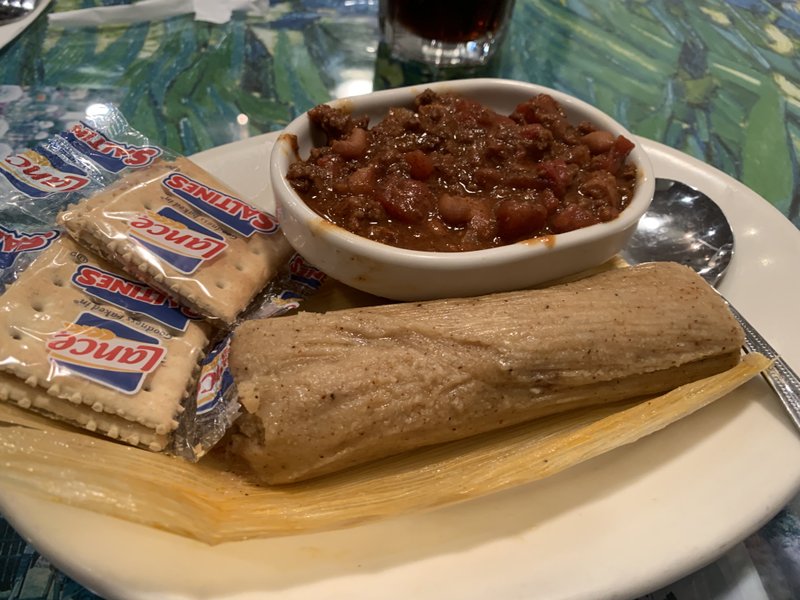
column 455, row 210
column 353, row 146
column 363, row 180
column 598, row 141
column 420, row 165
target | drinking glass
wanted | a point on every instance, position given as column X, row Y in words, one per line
column 444, row 32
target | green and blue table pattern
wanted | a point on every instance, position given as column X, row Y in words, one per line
column 717, row 79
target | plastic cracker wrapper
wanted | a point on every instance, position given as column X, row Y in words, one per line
column 34, row 185
column 172, row 225
column 84, row 342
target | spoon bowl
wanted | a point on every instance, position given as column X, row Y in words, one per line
column 684, row 225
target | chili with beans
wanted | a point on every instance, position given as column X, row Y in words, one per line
column 453, row 175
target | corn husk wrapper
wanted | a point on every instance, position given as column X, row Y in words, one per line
column 211, row 503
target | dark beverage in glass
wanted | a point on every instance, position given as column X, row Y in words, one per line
column 444, row 32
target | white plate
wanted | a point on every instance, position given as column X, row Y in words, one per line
column 620, row 525
column 11, row 30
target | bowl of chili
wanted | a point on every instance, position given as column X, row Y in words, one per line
column 458, row 188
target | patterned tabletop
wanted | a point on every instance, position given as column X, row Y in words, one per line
column 716, row 79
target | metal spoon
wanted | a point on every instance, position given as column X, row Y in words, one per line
column 686, row 226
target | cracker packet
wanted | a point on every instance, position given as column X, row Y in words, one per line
column 171, row 224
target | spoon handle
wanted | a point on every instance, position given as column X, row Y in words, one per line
column 780, row 375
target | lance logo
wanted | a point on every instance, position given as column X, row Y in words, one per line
column 215, row 378
column 175, row 238
column 106, row 352
column 131, row 295
column 228, row 210
column 37, row 178
column 13, row 243
column 113, row 156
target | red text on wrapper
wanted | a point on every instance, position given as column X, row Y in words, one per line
column 95, row 278
column 228, row 210
column 125, row 154
column 16, row 242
